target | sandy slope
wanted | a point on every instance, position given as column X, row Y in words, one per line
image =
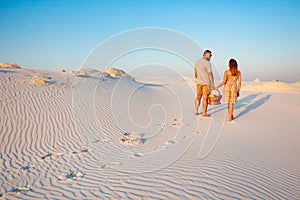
column 89, row 138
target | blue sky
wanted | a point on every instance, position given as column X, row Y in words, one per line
column 262, row 35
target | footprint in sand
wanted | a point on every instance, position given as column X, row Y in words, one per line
column 46, row 156
column 136, row 155
column 50, row 154
column 21, row 189
column 166, row 144
column 171, row 142
column 73, row 175
column 177, row 122
column 132, row 139
column 85, row 150
column 160, row 148
column 198, row 132
column 100, row 141
column 109, row 164
column 27, row 167
column 96, row 141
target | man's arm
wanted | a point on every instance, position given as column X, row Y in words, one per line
column 195, row 70
column 212, row 81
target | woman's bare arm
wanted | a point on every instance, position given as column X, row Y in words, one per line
column 224, row 80
column 239, row 83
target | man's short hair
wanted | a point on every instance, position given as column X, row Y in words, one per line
column 206, row 51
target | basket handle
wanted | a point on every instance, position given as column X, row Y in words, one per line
column 219, row 93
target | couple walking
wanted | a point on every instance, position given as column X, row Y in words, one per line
column 205, row 83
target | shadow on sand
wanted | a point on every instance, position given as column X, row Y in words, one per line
column 252, row 105
column 247, row 103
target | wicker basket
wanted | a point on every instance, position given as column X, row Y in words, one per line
column 214, row 99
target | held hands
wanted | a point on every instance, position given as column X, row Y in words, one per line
column 213, row 87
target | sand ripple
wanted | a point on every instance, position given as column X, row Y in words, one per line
column 51, row 150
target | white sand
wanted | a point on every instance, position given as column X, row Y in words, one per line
column 78, row 137
column 273, row 87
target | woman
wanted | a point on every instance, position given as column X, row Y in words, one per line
column 232, row 81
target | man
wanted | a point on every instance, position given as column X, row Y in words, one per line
column 204, row 81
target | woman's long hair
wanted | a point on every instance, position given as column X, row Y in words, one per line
column 233, row 66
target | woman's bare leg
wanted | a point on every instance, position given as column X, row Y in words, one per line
column 232, row 107
column 230, row 112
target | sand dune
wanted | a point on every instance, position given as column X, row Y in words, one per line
column 9, row 66
column 273, row 87
column 85, row 137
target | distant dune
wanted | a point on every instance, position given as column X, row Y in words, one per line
column 9, row 66
column 274, row 87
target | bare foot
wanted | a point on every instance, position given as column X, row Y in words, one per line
column 205, row 115
column 196, row 113
column 230, row 118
